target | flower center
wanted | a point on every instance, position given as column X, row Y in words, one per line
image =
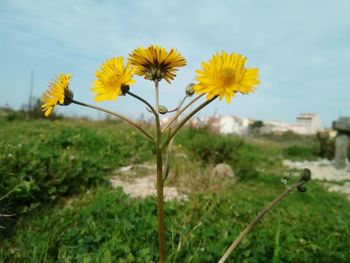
column 155, row 72
column 227, row 77
column 113, row 81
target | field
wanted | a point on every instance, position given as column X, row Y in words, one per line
column 54, row 180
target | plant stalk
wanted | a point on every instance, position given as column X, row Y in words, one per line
column 173, row 119
column 142, row 100
column 171, row 143
column 125, row 119
column 257, row 219
column 160, row 182
column 10, row 192
column 184, row 120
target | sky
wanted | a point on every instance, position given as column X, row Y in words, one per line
column 301, row 48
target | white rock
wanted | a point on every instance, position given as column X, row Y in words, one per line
column 222, row 170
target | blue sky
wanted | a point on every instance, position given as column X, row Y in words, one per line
column 302, row 50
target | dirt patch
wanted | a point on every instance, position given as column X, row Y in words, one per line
column 345, row 188
column 321, row 170
column 336, row 180
column 144, row 186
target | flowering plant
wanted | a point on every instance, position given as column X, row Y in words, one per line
column 221, row 77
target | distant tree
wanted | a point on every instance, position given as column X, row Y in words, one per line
column 254, row 128
column 256, row 125
column 33, row 111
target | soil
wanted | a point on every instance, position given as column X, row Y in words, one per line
column 140, row 180
column 337, row 180
column 142, row 186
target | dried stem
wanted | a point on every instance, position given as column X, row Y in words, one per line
column 130, row 122
column 257, row 219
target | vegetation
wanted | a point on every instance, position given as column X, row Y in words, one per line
column 106, row 224
column 53, row 175
column 213, row 148
column 41, row 161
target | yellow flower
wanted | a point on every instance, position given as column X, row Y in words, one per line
column 113, row 79
column 224, row 75
column 155, row 63
column 58, row 93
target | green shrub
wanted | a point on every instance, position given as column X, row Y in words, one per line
column 289, row 138
column 215, row 148
column 300, row 152
column 14, row 116
column 327, row 146
column 42, row 161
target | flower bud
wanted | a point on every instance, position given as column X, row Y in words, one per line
column 125, row 89
column 162, row 109
column 305, row 174
column 68, row 97
column 302, row 188
column 190, row 89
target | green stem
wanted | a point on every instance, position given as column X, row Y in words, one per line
column 160, row 183
column 144, row 101
column 171, row 143
column 184, row 120
column 181, row 111
column 257, row 219
column 134, row 124
column 10, row 192
column 169, row 111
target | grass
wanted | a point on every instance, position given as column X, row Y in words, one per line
column 46, row 160
column 314, row 227
column 84, row 220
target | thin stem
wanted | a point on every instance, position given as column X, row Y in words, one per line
column 10, row 192
column 171, row 143
column 3, row 215
column 156, row 88
column 160, row 183
column 180, row 105
column 144, row 101
column 169, row 111
column 184, row 120
column 186, row 238
column 181, row 111
column 134, row 124
column 257, row 219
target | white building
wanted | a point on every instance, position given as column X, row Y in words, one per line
column 233, row 124
column 227, row 124
column 306, row 124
